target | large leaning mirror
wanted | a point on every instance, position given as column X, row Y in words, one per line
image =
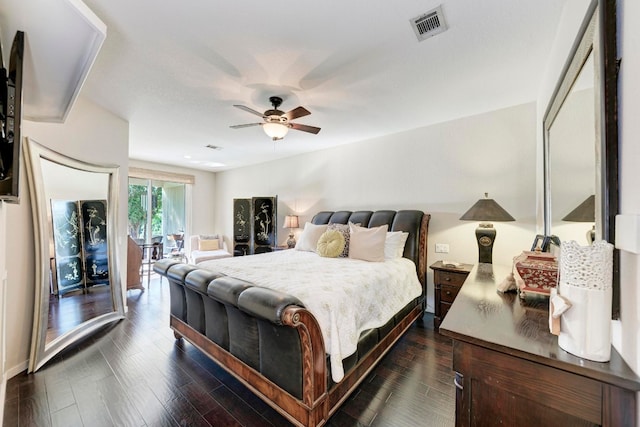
column 580, row 139
column 78, row 288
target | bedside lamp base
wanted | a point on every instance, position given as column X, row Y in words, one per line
column 486, row 235
column 291, row 241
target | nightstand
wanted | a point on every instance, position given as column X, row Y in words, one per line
column 447, row 282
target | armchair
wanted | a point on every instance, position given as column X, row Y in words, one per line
column 206, row 247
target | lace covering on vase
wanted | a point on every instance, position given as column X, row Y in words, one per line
column 587, row 266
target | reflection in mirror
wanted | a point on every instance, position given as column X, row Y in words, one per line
column 78, row 284
column 572, row 160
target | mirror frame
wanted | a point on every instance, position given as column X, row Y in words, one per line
column 41, row 351
column 597, row 34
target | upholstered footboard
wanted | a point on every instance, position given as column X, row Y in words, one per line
column 269, row 341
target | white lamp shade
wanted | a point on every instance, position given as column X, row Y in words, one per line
column 291, row 221
column 275, row 130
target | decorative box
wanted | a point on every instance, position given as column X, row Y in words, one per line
column 535, row 272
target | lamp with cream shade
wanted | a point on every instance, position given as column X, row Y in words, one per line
column 291, row 222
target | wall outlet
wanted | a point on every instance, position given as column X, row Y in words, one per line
column 442, row 248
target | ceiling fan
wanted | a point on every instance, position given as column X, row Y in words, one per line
column 277, row 123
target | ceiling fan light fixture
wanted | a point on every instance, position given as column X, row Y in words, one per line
column 275, row 131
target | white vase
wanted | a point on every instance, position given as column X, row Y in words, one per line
column 586, row 274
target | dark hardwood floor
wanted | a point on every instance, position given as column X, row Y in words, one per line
column 134, row 373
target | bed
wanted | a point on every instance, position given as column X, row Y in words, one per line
column 271, row 333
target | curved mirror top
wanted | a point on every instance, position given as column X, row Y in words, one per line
column 78, row 282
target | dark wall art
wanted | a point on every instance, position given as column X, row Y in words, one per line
column 264, row 223
column 254, row 225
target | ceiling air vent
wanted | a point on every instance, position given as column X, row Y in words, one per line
column 429, row 24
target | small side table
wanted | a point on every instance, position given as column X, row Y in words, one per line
column 178, row 256
column 447, row 282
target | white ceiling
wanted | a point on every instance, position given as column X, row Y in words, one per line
column 175, row 69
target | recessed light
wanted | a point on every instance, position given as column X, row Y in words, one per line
column 186, row 156
column 214, row 164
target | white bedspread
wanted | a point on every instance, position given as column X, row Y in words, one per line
column 346, row 296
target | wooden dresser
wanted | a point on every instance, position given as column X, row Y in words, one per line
column 447, row 281
column 509, row 370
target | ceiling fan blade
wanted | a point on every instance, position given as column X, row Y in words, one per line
column 304, row 128
column 296, row 112
column 249, row 110
column 245, row 125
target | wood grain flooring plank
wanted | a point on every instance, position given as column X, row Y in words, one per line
column 342, row 419
column 60, row 395
column 363, row 406
column 152, row 410
column 34, row 410
column 238, row 407
column 118, row 403
column 175, row 403
column 218, row 416
column 90, row 403
column 399, row 419
column 201, row 400
column 11, row 412
column 31, row 385
column 67, row 417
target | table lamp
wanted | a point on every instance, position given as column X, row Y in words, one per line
column 486, row 210
column 291, row 222
column 585, row 212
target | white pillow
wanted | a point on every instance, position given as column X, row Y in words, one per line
column 367, row 244
column 394, row 244
column 308, row 240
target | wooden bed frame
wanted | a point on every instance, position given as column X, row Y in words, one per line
column 318, row 397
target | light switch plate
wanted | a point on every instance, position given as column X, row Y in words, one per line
column 442, row 248
column 628, row 233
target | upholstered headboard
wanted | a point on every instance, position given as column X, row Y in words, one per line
column 415, row 222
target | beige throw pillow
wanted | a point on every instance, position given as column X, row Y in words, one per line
column 208, row 245
column 367, row 244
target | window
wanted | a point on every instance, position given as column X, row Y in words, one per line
column 156, row 211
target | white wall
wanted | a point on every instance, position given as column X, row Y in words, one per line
column 91, row 134
column 628, row 343
column 441, row 169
